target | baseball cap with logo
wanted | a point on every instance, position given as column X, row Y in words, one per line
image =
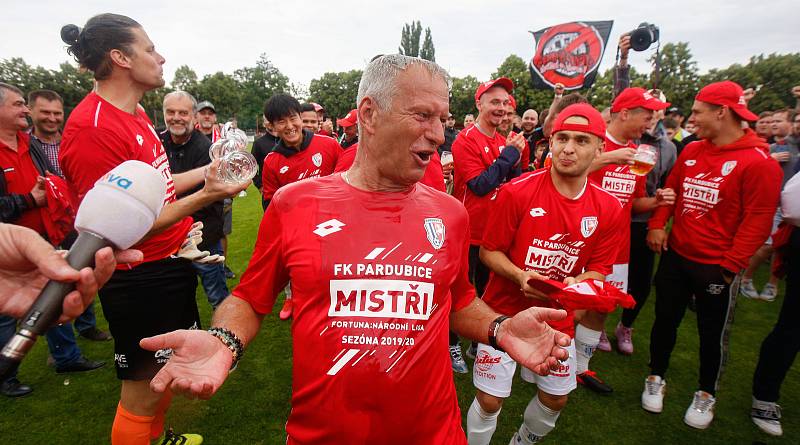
column 729, row 94
column 504, row 82
column 206, row 104
column 349, row 120
column 631, row 98
column 596, row 124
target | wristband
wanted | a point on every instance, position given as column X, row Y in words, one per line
column 231, row 341
column 494, row 326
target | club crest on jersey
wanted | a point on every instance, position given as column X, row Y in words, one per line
column 690, row 162
column 434, row 229
column 317, row 159
column 486, row 149
column 728, row 167
column 588, row 225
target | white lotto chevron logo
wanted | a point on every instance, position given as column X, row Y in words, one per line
column 538, row 211
column 284, row 169
column 330, row 226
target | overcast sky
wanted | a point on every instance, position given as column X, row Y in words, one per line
column 305, row 39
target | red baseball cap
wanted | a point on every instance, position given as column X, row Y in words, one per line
column 317, row 107
column 513, row 102
column 596, row 125
column 631, row 98
column 349, row 120
column 729, row 94
column 504, row 82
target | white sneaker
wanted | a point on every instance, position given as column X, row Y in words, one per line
column 653, row 395
column 701, row 412
column 767, row 416
column 747, row 289
column 769, row 293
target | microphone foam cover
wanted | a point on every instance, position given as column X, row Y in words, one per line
column 123, row 204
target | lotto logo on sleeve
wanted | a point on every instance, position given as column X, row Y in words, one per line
column 381, row 299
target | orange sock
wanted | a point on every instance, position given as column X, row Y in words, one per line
column 130, row 429
column 157, row 427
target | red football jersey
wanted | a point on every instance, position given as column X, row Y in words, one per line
column 726, row 200
column 98, row 137
column 540, row 229
column 620, row 182
column 317, row 157
column 473, row 153
column 374, row 279
column 433, row 177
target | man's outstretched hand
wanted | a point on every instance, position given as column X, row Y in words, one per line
column 529, row 340
column 198, row 366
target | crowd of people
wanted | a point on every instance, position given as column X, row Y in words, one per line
column 410, row 229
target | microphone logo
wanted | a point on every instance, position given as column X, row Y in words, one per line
column 119, row 181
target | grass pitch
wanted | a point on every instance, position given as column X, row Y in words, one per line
column 252, row 406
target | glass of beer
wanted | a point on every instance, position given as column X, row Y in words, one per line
column 447, row 158
column 643, row 160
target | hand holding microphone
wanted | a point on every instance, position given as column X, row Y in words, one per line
column 117, row 212
column 27, row 261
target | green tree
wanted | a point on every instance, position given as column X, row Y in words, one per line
column 409, row 39
column 409, row 42
column 224, row 92
column 526, row 96
column 153, row 104
column 678, row 75
column 602, row 92
column 67, row 81
column 462, row 97
column 336, row 92
column 776, row 74
column 428, row 52
column 256, row 85
column 185, row 79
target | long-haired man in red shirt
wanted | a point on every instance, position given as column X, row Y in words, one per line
column 728, row 189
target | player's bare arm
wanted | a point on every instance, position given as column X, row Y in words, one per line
column 212, row 191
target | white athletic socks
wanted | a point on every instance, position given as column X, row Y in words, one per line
column 538, row 421
column 480, row 424
column 586, row 341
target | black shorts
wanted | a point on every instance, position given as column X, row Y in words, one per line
column 152, row 298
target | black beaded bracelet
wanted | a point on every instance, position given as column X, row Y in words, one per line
column 231, row 341
column 493, row 328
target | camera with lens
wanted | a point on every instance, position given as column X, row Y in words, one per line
column 643, row 36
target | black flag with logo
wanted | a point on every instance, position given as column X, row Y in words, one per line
column 569, row 53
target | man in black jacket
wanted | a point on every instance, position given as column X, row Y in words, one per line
column 187, row 149
column 261, row 148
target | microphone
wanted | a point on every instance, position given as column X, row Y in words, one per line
column 118, row 211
